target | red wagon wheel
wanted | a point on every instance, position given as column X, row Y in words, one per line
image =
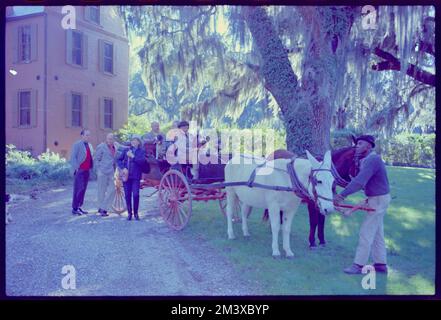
column 175, row 199
column 237, row 209
column 119, row 202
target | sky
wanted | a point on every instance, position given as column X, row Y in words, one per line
column 24, row 10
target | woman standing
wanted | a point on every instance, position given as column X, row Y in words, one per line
column 131, row 162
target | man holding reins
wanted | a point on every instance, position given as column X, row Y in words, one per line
column 373, row 179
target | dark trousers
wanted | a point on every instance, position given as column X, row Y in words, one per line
column 131, row 187
column 80, row 185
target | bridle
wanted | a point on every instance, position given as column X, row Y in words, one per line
column 298, row 187
column 314, row 182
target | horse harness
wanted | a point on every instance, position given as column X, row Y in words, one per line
column 297, row 186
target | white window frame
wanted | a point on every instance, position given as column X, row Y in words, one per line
column 29, row 124
column 107, row 43
column 112, row 114
column 80, row 111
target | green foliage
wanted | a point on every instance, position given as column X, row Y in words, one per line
column 53, row 166
column 405, row 149
column 20, row 164
column 139, row 125
column 135, row 125
column 408, row 149
column 17, row 157
column 343, row 138
column 48, row 165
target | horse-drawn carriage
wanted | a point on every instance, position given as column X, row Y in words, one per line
column 178, row 187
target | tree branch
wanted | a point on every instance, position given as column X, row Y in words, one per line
column 392, row 63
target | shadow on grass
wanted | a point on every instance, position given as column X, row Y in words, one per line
column 409, row 232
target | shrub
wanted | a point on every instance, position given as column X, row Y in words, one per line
column 410, row 149
column 48, row 165
column 53, row 166
column 20, row 164
column 342, row 138
column 406, row 149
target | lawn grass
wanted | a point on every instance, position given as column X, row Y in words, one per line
column 409, row 232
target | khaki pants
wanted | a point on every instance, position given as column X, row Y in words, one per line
column 371, row 240
column 106, row 190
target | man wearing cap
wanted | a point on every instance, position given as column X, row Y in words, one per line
column 372, row 178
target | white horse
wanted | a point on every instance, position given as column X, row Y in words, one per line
column 308, row 171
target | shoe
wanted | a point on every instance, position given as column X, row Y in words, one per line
column 104, row 213
column 313, row 247
column 380, row 268
column 354, row 269
column 82, row 211
column 76, row 212
column 136, row 216
column 322, row 245
column 129, row 216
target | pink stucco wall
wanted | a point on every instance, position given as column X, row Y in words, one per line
column 63, row 78
column 26, row 78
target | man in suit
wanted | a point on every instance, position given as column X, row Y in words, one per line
column 81, row 162
column 105, row 165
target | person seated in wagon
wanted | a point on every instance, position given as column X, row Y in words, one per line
column 155, row 136
column 183, row 153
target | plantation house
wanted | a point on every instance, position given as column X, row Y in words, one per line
column 60, row 80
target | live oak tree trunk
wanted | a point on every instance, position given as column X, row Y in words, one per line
column 280, row 80
column 306, row 108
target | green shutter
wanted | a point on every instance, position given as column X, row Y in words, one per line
column 87, row 13
column 68, row 99
column 113, row 115
column 34, row 108
column 15, row 107
column 85, row 49
column 84, row 110
column 101, row 113
column 101, row 55
column 69, row 46
column 34, row 42
column 115, row 59
column 16, row 44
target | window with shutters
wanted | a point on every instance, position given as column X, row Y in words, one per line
column 77, row 104
column 94, row 14
column 24, row 106
column 108, row 113
column 108, row 57
column 25, row 44
column 77, row 48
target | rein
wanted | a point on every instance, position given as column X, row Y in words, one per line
column 299, row 189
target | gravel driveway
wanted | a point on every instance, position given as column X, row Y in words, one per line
column 111, row 256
